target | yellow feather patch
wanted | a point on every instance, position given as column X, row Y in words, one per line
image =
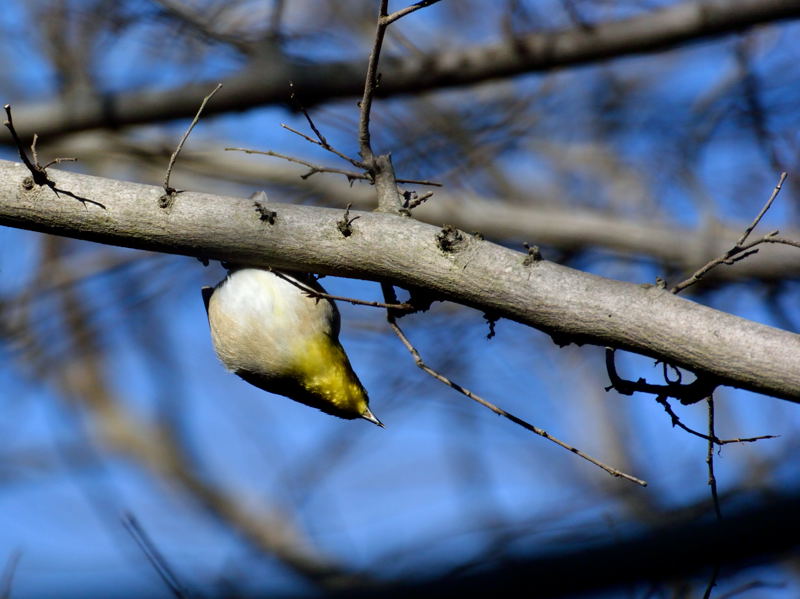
column 324, row 370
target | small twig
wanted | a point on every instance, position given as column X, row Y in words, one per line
column 741, row 250
column 712, row 483
column 773, row 238
column 712, row 479
column 168, row 190
column 399, row 14
column 322, row 142
column 39, row 177
column 7, row 579
column 311, row 292
column 33, row 148
column 390, row 317
column 38, row 172
column 316, row 168
column 761, row 214
column 58, row 161
column 153, row 556
column 676, row 421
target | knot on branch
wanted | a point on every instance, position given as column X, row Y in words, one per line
column 265, row 214
column 167, row 199
column 449, row 238
column 534, row 255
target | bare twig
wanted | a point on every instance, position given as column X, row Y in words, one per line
column 38, row 172
column 712, row 483
column 399, row 14
column 52, row 162
column 322, row 142
column 741, row 250
column 170, row 191
column 761, row 214
column 389, row 296
column 676, row 421
column 311, row 292
column 152, row 554
column 316, row 168
column 773, row 238
column 35, row 170
column 712, row 479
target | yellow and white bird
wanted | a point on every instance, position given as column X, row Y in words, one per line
column 279, row 338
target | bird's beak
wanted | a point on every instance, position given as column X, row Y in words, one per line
column 367, row 415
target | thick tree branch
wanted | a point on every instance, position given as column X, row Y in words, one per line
column 570, row 305
column 261, row 84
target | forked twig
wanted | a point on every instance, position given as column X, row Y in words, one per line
column 38, row 172
column 741, row 249
column 321, row 141
column 676, row 421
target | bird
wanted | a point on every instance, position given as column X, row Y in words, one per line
column 272, row 329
